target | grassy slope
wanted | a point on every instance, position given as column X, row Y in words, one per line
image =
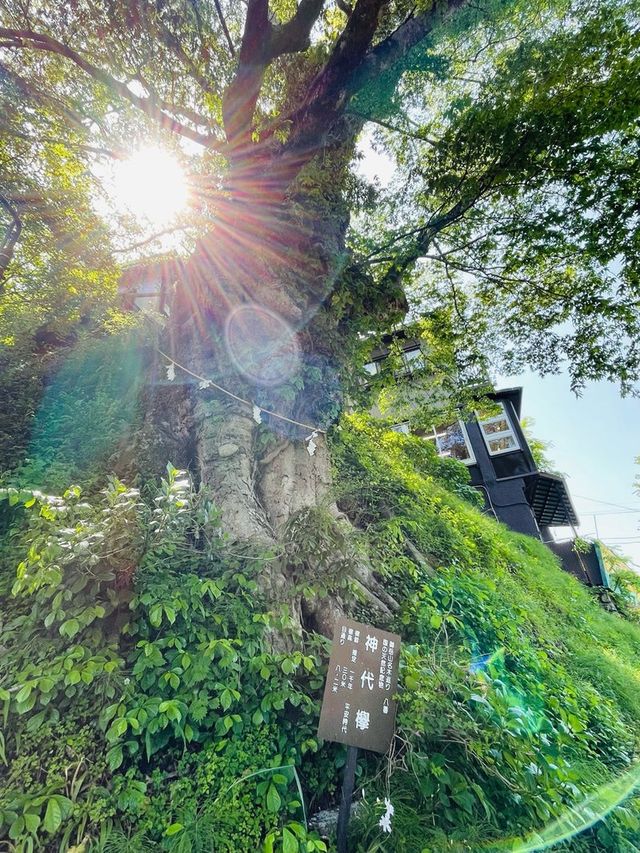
column 520, row 737
column 520, row 696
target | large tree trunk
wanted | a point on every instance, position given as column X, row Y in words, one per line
column 253, row 313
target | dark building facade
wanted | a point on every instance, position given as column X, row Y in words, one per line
column 495, row 449
column 504, row 470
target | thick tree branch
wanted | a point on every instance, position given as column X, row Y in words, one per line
column 354, row 64
column 262, row 42
column 328, row 91
column 29, row 40
column 311, row 124
column 240, row 99
column 11, row 237
column 389, row 54
column 225, row 29
column 345, row 7
column 295, row 35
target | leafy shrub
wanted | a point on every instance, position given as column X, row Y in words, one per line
column 143, row 709
column 131, row 615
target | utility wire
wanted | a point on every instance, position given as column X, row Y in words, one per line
column 607, row 503
column 612, row 512
column 612, row 540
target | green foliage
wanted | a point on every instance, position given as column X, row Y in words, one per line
column 67, row 614
column 293, row 838
column 226, row 798
column 521, row 164
column 24, row 816
column 135, row 644
column 538, row 447
column 624, row 581
column 61, row 280
column 505, row 696
column 21, row 388
column 142, row 709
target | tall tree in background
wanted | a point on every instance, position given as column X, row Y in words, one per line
column 509, row 226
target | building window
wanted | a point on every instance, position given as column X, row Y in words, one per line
column 498, row 433
column 404, row 428
column 452, row 441
column 412, row 359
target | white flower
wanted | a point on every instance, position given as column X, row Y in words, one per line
column 257, row 414
column 389, row 806
column 204, row 384
column 171, row 372
column 385, row 822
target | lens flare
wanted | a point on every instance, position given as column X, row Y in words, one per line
column 579, row 817
column 87, row 410
column 151, row 185
column 481, row 662
column 262, row 345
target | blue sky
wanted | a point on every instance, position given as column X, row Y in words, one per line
column 596, row 438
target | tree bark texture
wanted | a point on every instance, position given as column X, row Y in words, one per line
column 281, row 264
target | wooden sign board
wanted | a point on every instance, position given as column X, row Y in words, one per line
column 358, row 706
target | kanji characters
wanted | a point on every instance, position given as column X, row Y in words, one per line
column 362, row 720
column 371, row 643
column 367, row 678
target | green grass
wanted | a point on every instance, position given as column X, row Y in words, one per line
column 552, row 720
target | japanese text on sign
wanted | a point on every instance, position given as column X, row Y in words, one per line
column 358, row 707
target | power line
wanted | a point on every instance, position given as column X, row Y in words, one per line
column 612, row 512
column 607, row 503
column 631, row 540
column 624, row 540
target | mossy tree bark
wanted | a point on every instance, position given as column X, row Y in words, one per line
column 270, row 304
column 254, row 313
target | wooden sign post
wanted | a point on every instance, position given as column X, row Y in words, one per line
column 358, row 707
